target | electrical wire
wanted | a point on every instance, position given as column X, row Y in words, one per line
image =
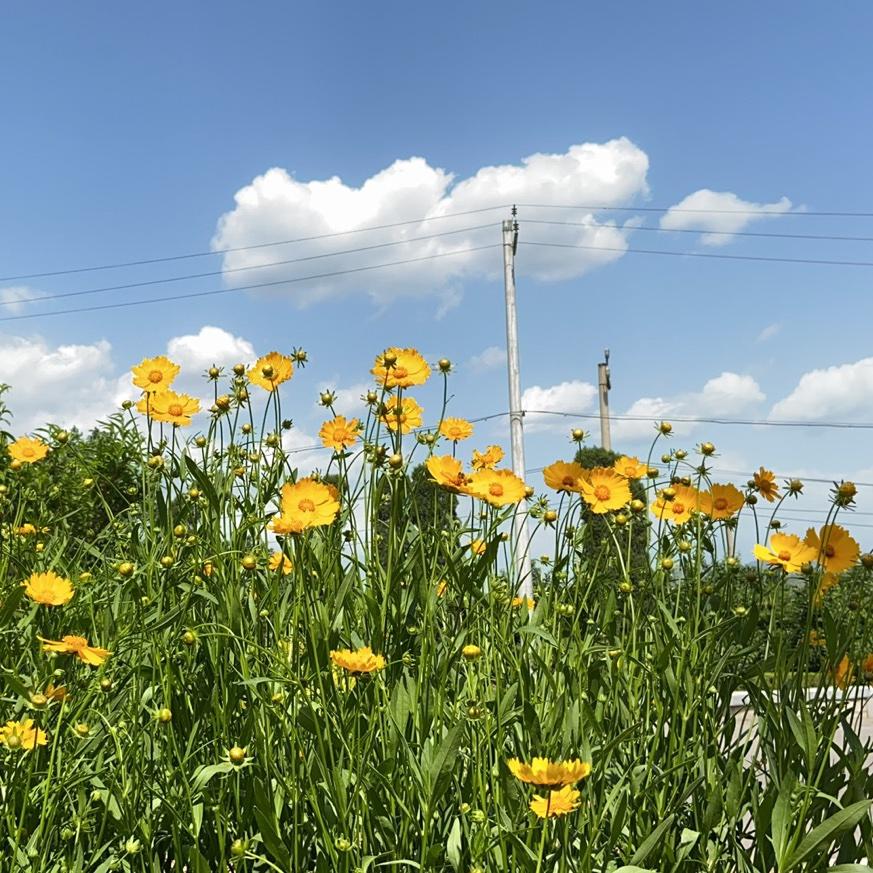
column 144, row 261
column 750, row 233
column 223, row 272
column 756, row 212
column 711, row 255
column 195, row 294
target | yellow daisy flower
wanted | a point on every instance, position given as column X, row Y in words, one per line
column 630, row 468
column 765, row 484
column 306, row 504
column 361, row 661
column 721, row 501
column 679, row 509
column 786, row 551
column 488, row 459
column 565, row 476
column 447, row 473
column 456, row 429
column 27, row 450
column 271, row 370
column 154, row 374
column 22, row 735
column 169, row 407
column 497, row 487
column 279, row 560
column 48, row 589
column 339, row 433
column 78, row 646
column 605, row 490
column 400, row 368
column 548, row 773
column 561, row 802
column 403, row 415
column 834, row 546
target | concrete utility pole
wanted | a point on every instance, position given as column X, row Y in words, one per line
column 603, row 386
column 520, row 533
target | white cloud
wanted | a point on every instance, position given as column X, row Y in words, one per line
column 716, row 224
column 67, row 385
column 13, row 297
column 726, row 395
column 769, row 332
column 574, row 397
column 488, row 359
column 211, row 345
column 305, row 451
column 276, row 206
column 841, row 391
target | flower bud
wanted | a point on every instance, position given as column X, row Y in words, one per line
column 471, row 652
column 666, row 563
column 214, row 373
column 164, row 715
column 550, row 516
column 239, row 369
column 680, row 454
column 125, row 569
column 577, row 434
column 707, row 449
column 249, row 562
column 237, row 755
column 665, row 427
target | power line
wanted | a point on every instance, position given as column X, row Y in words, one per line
column 751, row 233
column 217, row 291
column 145, row 261
column 723, row 257
column 758, row 212
column 168, row 280
column 702, row 420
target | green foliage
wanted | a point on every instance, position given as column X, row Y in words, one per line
column 218, row 736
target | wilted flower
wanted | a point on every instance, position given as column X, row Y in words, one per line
column 764, row 482
column 488, row 459
column 561, row 802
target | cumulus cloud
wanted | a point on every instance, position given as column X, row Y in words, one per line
column 842, row 391
column 715, row 225
column 488, row 359
column 210, row 345
column 726, row 395
column 574, row 396
column 67, row 385
column 276, row 206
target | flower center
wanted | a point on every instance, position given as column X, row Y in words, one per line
column 830, row 551
column 720, row 503
column 156, row 376
column 569, row 481
column 175, row 409
column 400, row 373
column 784, row 555
column 495, row 489
column 678, row 508
column 602, row 492
column 28, row 452
column 306, row 505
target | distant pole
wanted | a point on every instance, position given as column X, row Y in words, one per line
column 603, row 386
column 521, row 536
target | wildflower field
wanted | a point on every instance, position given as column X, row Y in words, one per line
column 209, row 662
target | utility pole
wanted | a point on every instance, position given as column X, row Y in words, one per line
column 603, row 386
column 521, row 535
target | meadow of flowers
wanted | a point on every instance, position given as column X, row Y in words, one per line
column 210, row 662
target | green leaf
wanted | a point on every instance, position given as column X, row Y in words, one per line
column 825, row 832
column 850, row 868
column 203, row 774
column 443, row 761
column 453, row 845
column 651, row 841
column 631, row 868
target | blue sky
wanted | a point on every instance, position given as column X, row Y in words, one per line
column 128, row 131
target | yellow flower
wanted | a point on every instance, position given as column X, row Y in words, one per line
column 765, row 484
column 408, row 368
column 442, row 587
column 678, row 510
column 721, row 501
column 56, row 693
column 835, row 548
column 279, row 560
column 478, row 547
column 565, row 476
column 169, row 407
column 78, row 646
column 844, row 674
column 604, row 490
column 22, row 735
column 630, row 468
column 27, row 450
column 549, row 774
column 271, row 370
column 48, row 588
column 26, row 530
column 456, row 429
column 361, row 661
column 154, row 374
column 306, row 504
column 529, row 602
column 447, row 473
column 339, row 434
column 786, row 551
column 497, row 487
column 403, row 415
column 488, row 459
column 561, row 802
